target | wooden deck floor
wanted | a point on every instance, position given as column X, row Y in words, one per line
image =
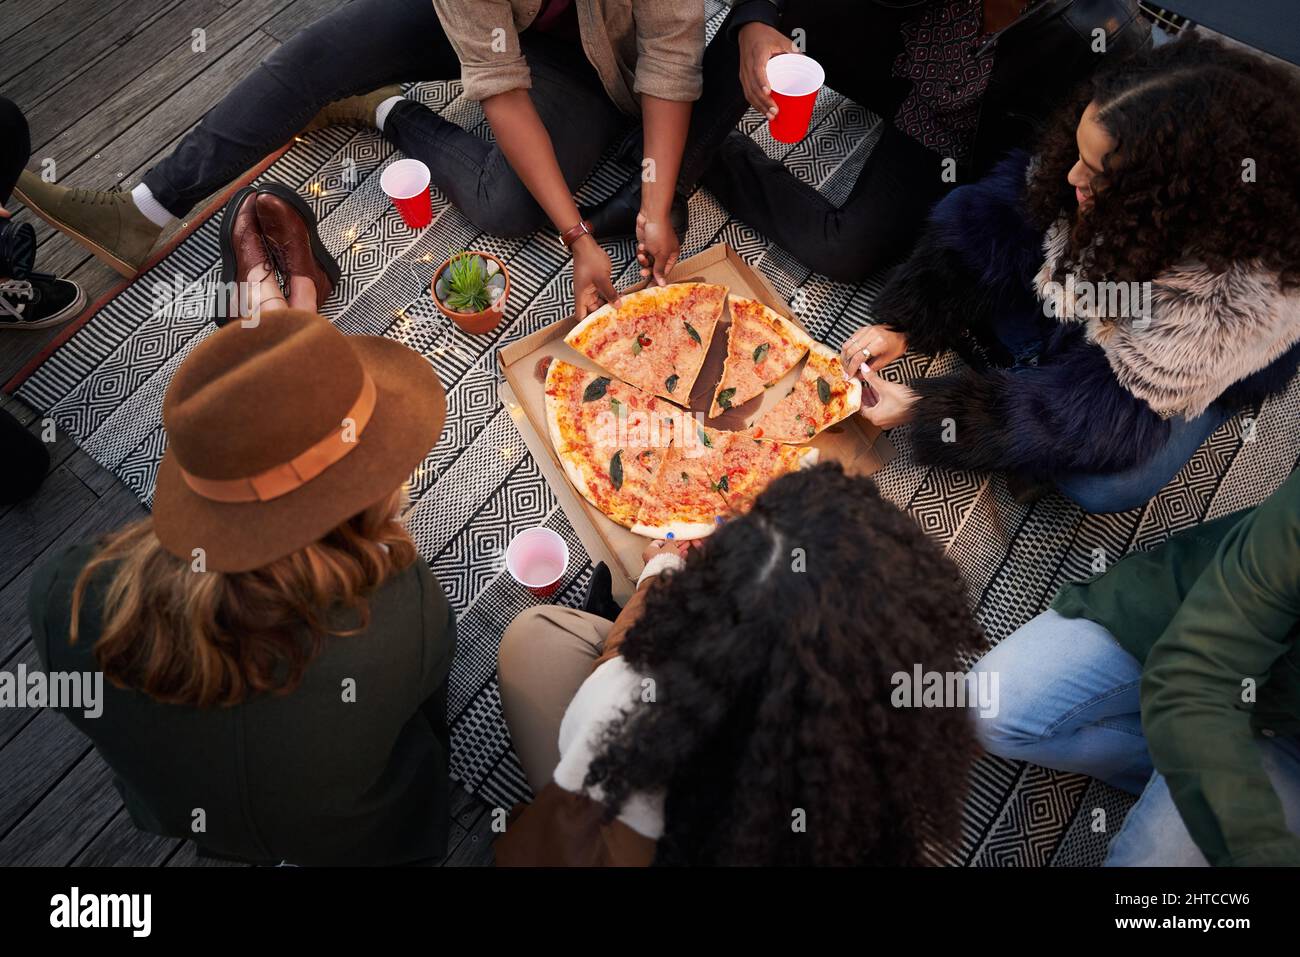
column 109, row 87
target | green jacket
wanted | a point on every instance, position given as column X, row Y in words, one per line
column 314, row 777
column 1213, row 616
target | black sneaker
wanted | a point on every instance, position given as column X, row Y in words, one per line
column 39, row 301
column 599, row 599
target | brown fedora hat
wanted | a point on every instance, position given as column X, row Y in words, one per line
column 279, row 432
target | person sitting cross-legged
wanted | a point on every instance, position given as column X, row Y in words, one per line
column 559, row 81
column 1174, row 675
column 1119, row 295
column 274, row 653
column 741, row 709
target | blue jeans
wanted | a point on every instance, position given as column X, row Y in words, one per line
column 1068, row 700
column 1132, row 488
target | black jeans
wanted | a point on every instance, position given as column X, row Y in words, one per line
column 15, row 146
column 372, row 43
column 24, row 456
column 856, row 42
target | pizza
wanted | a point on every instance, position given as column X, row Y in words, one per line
column 656, row 339
column 703, row 482
column 681, row 505
column 611, row 437
column 750, row 464
column 762, row 346
column 821, row 397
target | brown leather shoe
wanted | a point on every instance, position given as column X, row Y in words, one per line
column 243, row 252
column 289, row 226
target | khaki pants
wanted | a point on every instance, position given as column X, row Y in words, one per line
column 546, row 654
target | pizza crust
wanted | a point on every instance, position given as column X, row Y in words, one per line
column 679, row 531
column 553, row 410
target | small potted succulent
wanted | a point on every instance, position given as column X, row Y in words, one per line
column 470, row 289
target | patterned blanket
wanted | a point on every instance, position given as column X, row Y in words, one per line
column 479, row 485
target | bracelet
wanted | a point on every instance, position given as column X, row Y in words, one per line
column 574, row 233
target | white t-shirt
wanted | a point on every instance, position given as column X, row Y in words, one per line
column 608, row 692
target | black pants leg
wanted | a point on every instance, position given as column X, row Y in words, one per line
column 578, row 114
column 856, row 42
column 358, row 47
column 15, row 146
column 876, row 226
column 25, row 461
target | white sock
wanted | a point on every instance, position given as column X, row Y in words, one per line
column 153, row 210
column 381, row 111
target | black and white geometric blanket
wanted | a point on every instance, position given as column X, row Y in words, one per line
column 479, row 485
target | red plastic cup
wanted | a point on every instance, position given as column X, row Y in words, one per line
column 795, row 80
column 406, row 183
column 537, row 558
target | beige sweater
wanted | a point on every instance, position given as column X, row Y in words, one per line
column 655, row 47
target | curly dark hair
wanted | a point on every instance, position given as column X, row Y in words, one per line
column 1185, row 116
column 773, row 685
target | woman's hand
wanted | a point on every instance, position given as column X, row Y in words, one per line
column 591, row 277
column 656, row 247
column 758, row 44
column 874, row 346
column 659, row 546
column 885, row 404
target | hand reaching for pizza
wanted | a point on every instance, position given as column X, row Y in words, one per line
column 591, row 277
column 885, row 404
column 874, row 346
column 659, row 546
column 656, row 248
column 758, row 44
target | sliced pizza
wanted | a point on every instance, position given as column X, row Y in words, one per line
column 762, row 346
column 682, row 505
column 610, row 437
column 821, row 398
column 752, row 464
column 656, row 338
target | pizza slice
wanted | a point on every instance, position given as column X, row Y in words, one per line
column 656, row 338
column 752, row 464
column 821, row 397
column 762, row 346
column 611, row 438
column 681, row 505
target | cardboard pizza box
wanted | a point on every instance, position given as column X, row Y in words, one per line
column 854, row 443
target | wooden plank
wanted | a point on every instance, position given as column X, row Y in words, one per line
column 25, row 526
column 97, row 478
column 66, row 819
column 475, row 848
column 188, row 856
column 18, row 15
column 13, row 720
column 299, row 14
column 151, row 93
column 148, row 140
column 43, row 38
column 122, row 844
column 96, row 56
column 34, row 761
column 20, row 347
column 114, row 510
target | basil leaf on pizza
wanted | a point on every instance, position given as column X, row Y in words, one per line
column 821, row 398
column 596, row 390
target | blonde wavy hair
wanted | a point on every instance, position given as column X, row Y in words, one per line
column 215, row 638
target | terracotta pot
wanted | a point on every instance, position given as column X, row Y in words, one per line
column 475, row 323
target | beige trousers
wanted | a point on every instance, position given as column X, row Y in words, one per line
column 546, row 654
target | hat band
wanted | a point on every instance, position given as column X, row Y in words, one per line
column 299, row 470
